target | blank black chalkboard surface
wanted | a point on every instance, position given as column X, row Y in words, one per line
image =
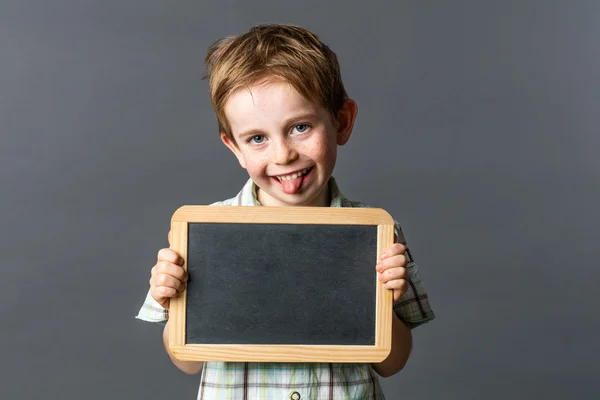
column 281, row 284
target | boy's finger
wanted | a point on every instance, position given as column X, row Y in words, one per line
column 159, row 292
column 169, row 238
column 167, row 281
column 397, row 261
column 169, row 255
column 392, row 274
column 395, row 249
column 167, row 268
column 397, row 284
column 397, row 295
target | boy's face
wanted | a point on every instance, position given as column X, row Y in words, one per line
column 287, row 144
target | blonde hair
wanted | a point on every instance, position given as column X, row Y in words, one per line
column 286, row 52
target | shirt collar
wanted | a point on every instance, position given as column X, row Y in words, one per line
column 248, row 197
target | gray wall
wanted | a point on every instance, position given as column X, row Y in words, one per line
column 478, row 130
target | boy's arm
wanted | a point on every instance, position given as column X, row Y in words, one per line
column 401, row 347
column 189, row 367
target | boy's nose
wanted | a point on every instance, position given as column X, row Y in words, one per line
column 285, row 153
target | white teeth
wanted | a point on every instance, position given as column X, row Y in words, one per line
column 293, row 176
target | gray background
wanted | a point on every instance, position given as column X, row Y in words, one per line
column 478, row 130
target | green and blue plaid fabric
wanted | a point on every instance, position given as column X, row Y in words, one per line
column 314, row 381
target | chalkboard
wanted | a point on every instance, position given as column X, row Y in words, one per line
column 281, row 284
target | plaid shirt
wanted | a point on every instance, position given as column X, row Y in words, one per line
column 300, row 381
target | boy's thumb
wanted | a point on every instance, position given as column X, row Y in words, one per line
column 169, row 238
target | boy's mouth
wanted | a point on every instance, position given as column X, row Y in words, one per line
column 292, row 182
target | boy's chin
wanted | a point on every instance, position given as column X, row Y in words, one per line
column 268, row 198
column 284, row 200
column 302, row 199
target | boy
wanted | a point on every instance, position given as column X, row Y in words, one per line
column 282, row 110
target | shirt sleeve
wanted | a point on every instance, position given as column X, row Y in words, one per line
column 413, row 307
column 151, row 311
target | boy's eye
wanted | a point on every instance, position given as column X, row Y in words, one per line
column 301, row 128
column 258, row 139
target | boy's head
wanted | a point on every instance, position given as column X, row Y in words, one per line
column 282, row 110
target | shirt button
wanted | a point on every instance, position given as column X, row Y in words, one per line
column 295, row 396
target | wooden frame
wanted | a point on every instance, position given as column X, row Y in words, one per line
column 282, row 353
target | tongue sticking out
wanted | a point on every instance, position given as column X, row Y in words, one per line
column 291, row 185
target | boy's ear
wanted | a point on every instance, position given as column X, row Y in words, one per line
column 231, row 145
column 345, row 120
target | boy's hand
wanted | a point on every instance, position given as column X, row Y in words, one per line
column 392, row 270
column 168, row 276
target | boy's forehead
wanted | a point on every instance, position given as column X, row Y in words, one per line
column 267, row 101
column 270, row 92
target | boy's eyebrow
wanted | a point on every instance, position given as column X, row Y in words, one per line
column 251, row 132
column 289, row 121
